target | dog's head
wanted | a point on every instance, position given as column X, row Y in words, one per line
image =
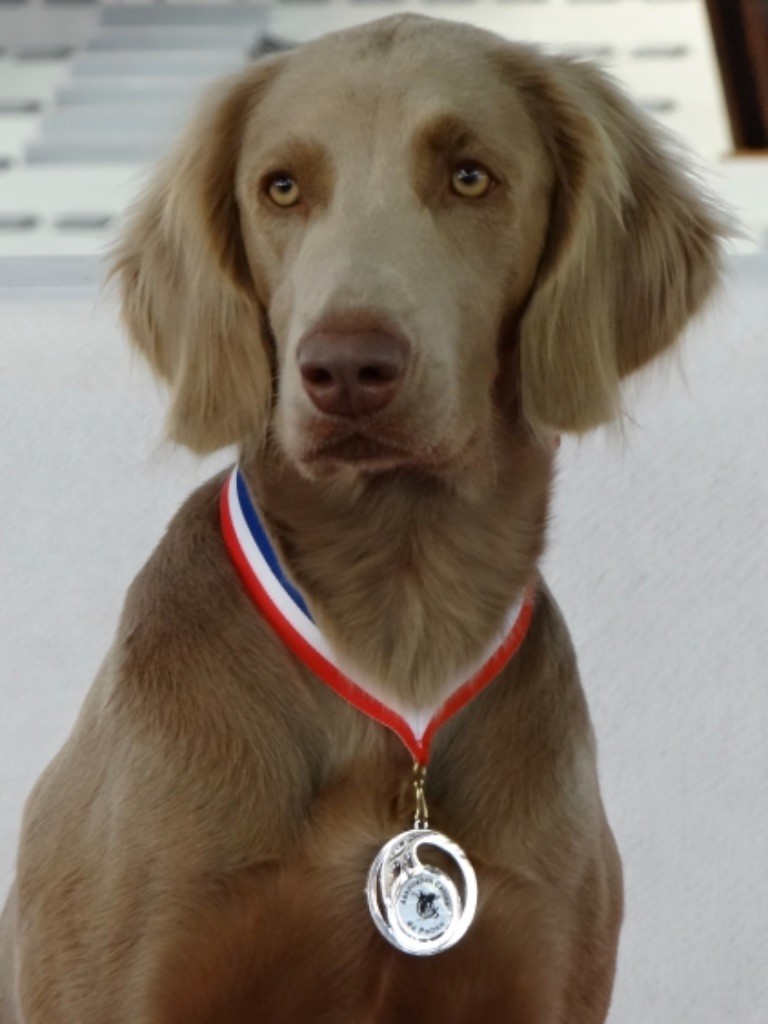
column 385, row 243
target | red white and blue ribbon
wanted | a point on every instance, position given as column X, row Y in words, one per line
column 287, row 612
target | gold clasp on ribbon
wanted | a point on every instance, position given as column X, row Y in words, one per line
column 421, row 814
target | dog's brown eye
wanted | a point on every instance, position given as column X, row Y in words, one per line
column 283, row 190
column 471, row 181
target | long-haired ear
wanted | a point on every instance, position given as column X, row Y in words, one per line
column 188, row 299
column 633, row 251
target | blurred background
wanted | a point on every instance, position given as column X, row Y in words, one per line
column 658, row 544
column 90, row 92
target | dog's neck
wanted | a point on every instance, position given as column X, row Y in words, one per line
column 407, row 575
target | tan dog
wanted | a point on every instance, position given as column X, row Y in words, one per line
column 390, row 266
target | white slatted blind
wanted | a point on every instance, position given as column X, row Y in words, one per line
column 91, row 92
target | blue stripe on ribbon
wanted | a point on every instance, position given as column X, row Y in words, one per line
column 265, row 547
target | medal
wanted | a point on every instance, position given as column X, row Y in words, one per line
column 419, row 907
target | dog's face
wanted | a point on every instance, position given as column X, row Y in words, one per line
column 376, row 246
column 392, row 226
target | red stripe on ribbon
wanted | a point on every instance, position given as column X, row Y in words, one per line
column 342, row 684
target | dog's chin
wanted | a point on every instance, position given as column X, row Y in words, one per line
column 366, row 456
column 360, row 454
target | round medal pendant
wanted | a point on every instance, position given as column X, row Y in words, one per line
column 417, row 907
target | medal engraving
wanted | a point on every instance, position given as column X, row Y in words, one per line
column 425, row 906
column 415, row 906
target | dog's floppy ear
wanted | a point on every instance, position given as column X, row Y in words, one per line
column 633, row 250
column 187, row 295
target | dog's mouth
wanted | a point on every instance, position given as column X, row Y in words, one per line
column 358, row 450
column 374, row 454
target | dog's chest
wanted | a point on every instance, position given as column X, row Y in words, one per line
column 314, row 915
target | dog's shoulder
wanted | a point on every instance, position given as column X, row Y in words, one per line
column 186, row 612
column 188, row 569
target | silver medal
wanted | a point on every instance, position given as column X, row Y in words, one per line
column 415, row 906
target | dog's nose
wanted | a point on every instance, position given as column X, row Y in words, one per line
column 352, row 373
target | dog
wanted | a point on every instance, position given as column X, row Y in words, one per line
column 391, row 266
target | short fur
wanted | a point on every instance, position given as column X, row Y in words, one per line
column 197, row 851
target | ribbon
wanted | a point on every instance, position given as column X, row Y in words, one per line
column 284, row 608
